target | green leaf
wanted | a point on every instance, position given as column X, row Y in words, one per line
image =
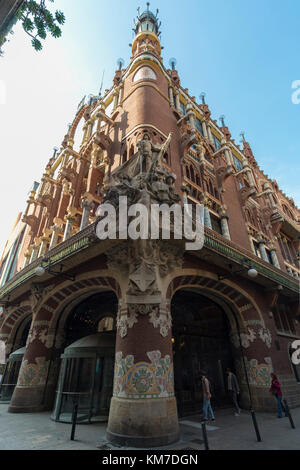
column 28, row 24
column 42, row 33
column 37, row 44
column 60, row 17
column 55, row 31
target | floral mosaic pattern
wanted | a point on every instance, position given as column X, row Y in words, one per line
column 33, row 374
column 143, row 379
column 258, row 374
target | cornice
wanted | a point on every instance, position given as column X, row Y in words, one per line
column 213, row 241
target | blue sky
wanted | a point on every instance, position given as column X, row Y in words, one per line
column 243, row 54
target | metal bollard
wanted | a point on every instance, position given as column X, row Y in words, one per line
column 289, row 414
column 204, row 433
column 258, row 436
column 74, row 419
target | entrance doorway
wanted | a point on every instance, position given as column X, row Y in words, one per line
column 200, row 343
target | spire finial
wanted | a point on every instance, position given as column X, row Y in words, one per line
column 222, row 119
column 148, row 5
column 202, row 96
column 172, row 63
column 242, row 134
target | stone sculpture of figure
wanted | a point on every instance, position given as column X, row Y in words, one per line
column 146, row 149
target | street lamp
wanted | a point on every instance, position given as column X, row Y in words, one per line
column 41, row 270
column 252, row 272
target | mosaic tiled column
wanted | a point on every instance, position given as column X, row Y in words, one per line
column 87, row 206
column 204, row 126
column 68, row 228
column 207, row 219
column 56, row 231
column 143, row 411
column 274, row 256
column 29, row 394
column 34, row 253
column 262, row 249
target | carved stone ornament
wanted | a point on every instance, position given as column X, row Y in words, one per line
column 142, row 309
column 126, row 319
column 143, row 178
column 38, row 293
column 140, row 258
column 161, row 319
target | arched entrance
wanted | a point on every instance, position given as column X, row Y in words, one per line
column 201, row 342
column 87, row 362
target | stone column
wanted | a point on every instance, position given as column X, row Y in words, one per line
column 177, row 100
column 143, row 411
column 27, row 257
column 68, row 228
column 116, row 100
column 171, row 96
column 204, row 126
column 274, row 256
column 29, row 394
column 43, row 246
column 228, row 158
column 85, row 133
column 207, row 220
column 189, row 109
column 210, row 137
column 56, row 231
column 121, row 94
column 34, row 253
column 262, row 249
column 224, row 222
column 87, row 206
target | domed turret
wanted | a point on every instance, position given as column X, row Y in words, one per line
column 146, row 33
column 147, row 22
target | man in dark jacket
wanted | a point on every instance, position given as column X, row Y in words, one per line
column 234, row 390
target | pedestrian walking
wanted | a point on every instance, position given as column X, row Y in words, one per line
column 275, row 389
column 234, row 390
column 207, row 409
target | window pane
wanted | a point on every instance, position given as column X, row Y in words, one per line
column 217, row 143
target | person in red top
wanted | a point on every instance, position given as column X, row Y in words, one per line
column 275, row 389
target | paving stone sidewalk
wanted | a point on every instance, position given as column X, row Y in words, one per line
column 37, row 431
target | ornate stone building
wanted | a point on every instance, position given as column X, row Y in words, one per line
column 234, row 303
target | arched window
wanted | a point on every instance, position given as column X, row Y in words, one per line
column 187, row 172
column 106, row 324
column 124, row 157
column 192, row 173
column 131, row 151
